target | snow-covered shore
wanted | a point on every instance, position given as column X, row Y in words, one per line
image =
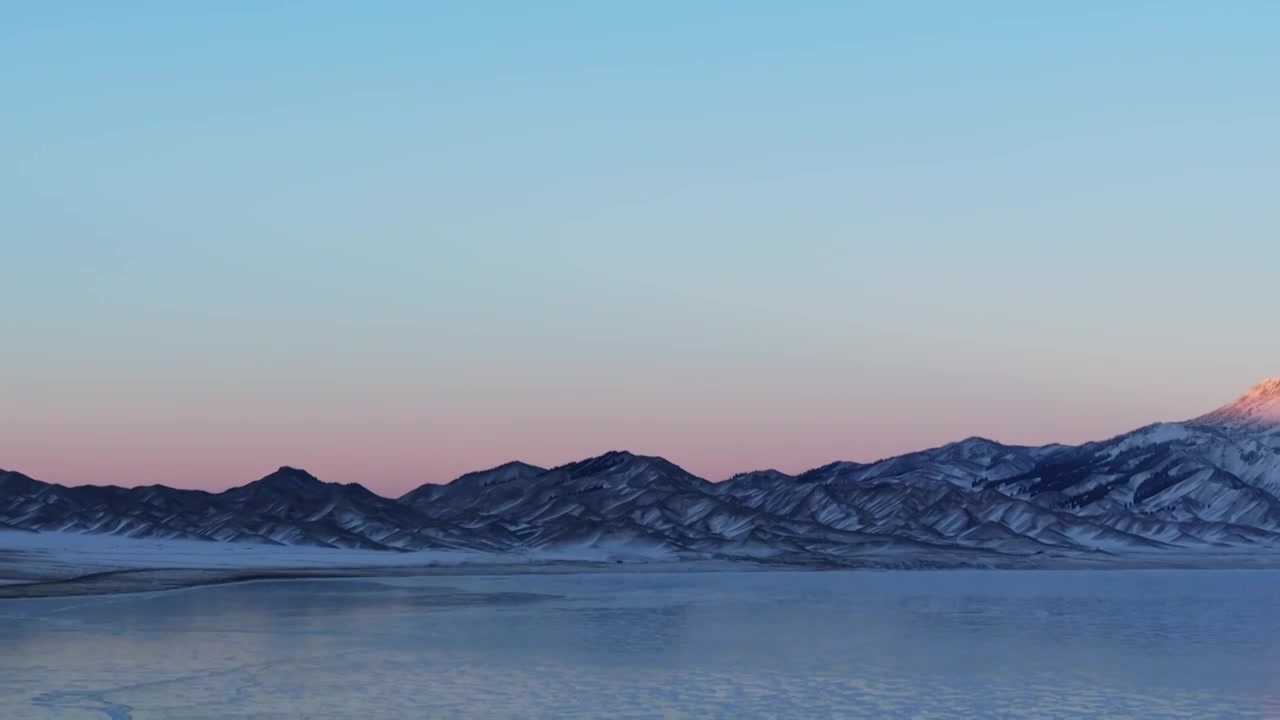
column 56, row 564
column 63, row 564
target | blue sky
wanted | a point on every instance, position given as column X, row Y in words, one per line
column 395, row 241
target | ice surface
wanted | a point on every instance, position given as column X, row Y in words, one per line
column 951, row 644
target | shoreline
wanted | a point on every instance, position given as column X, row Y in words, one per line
column 54, row 565
column 146, row 580
column 150, row 580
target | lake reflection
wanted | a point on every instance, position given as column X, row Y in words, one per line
column 1193, row 644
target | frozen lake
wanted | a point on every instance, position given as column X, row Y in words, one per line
column 944, row 644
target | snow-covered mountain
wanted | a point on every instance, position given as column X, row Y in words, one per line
column 1259, row 408
column 1213, row 481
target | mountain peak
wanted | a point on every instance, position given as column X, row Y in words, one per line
column 293, row 472
column 1260, row 405
column 1267, row 388
column 15, row 482
column 504, row 473
column 761, row 477
column 974, row 441
column 608, row 459
column 290, row 477
column 622, row 462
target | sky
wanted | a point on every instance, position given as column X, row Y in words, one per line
column 393, row 242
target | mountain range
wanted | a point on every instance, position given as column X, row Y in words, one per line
column 1209, row 482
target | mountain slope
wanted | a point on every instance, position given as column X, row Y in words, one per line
column 1258, row 408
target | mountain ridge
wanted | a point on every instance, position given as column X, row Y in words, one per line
column 1209, row 482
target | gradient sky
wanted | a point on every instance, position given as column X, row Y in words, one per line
column 392, row 242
